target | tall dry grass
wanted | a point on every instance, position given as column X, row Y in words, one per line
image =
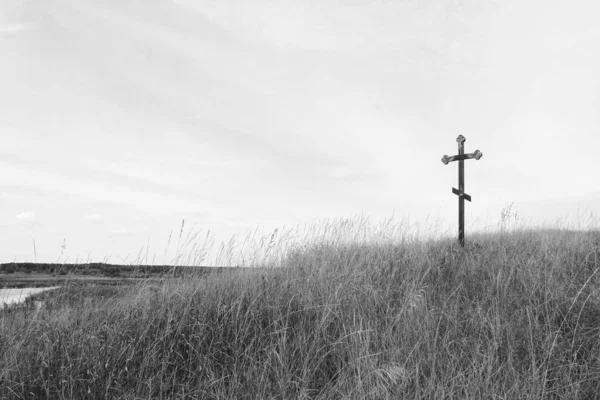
column 375, row 316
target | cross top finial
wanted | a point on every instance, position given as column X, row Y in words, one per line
column 460, row 139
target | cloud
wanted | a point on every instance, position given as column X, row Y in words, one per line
column 122, row 232
column 92, row 217
column 15, row 28
column 26, row 216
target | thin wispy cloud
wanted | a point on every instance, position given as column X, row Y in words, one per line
column 92, row 217
column 123, row 231
column 14, row 29
column 26, row 216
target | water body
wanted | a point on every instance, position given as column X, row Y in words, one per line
column 18, row 295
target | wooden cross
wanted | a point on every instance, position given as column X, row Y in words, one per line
column 460, row 192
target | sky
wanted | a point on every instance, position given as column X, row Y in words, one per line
column 119, row 119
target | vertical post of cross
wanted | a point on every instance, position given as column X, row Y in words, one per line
column 460, row 192
column 461, row 189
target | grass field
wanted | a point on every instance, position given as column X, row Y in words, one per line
column 512, row 316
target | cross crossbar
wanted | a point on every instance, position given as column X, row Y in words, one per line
column 476, row 155
column 460, row 192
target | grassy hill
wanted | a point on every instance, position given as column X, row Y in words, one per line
column 510, row 316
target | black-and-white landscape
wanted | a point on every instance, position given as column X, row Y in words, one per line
column 297, row 145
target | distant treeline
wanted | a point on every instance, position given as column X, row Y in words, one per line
column 103, row 269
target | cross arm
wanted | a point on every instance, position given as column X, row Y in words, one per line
column 461, row 195
column 476, row 155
